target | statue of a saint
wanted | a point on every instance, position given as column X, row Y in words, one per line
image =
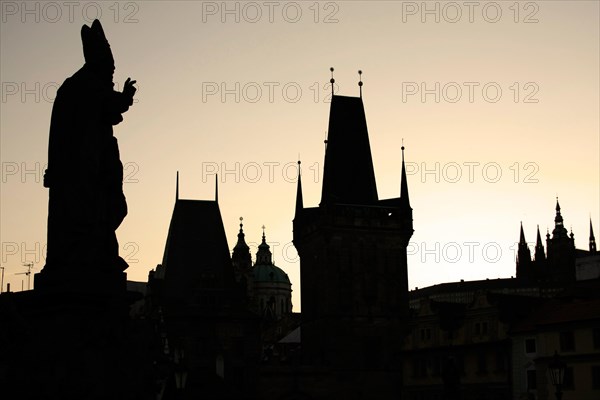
column 85, row 173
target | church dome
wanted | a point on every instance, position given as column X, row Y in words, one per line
column 269, row 274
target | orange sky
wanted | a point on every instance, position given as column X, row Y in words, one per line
column 497, row 103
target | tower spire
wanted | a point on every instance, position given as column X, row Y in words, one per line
column 299, row 200
column 522, row 236
column 404, row 183
column 592, row 239
column 177, row 187
column 524, row 270
column 263, row 255
column 241, row 258
column 539, row 247
column 559, row 228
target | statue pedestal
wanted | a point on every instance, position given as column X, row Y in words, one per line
column 72, row 338
column 81, row 281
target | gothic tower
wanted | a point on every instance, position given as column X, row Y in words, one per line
column 561, row 251
column 352, row 249
column 524, row 265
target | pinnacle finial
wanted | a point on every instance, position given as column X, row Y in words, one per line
column 332, row 81
column 216, row 188
column 360, row 83
column 177, row 187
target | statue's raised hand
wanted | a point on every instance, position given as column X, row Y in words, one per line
column 128, row 89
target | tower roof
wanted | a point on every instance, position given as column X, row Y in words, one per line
column 196, row 248
column 348, row 176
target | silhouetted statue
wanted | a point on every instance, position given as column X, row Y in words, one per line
column 85, row 174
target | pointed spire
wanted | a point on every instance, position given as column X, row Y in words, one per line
column 539, row 247
column 523, row 257
column 263, row 255
column 241, row 243
column 404, row 182
column 522, row 236
column 241, row 258
column 299, row 200
column 216, row 188
column 360, row 83
column 177, row 187
column 592, row 239
column 559, row 229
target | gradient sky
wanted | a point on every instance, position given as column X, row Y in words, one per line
column 241, row 87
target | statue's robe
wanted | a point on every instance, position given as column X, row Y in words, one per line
column 85, row 174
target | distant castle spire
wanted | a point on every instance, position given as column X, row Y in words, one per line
column 592, row 239
column 522, row 240
column 523, row 257
column 539, row 247
column 559, row 229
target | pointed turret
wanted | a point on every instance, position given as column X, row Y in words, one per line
column 404, row 200
column 241, row 249
column 263, row 255
column 240, row 257
column 592, row 239
column 299, row 201
column 539, row 248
